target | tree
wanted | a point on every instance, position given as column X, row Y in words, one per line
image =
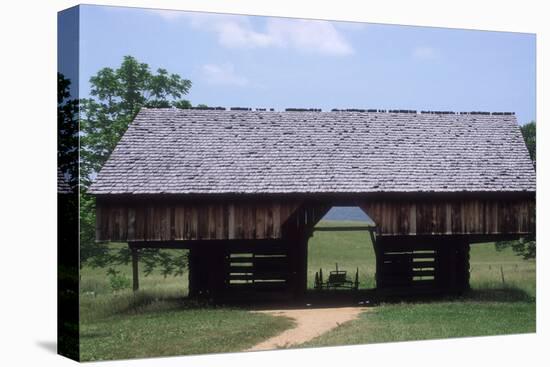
column 529, row 132
column 117, row 95
column 525, row 247
column 67, row 131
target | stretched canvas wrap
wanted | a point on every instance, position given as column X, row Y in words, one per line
column 232, row 183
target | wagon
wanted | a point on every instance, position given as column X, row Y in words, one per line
column 336, row 279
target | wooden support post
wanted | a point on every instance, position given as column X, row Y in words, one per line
column 297, row 262
column 454, row 266
column 303, row 266
column 192, row 271
column 135, row 273
column 217, row 271
column 464, row 266
column 198, row 272
column 376, row 243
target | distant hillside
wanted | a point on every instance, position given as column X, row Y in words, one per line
column 347, row 213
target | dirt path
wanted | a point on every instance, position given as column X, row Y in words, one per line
column 310, row 323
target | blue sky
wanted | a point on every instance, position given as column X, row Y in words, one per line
column 249, row 61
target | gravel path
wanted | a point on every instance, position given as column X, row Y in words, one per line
column 310, row 323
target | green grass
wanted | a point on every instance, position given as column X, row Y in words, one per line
column 351, row 250
column 159, row 321
column 95, row 282
column 493, row 307
column 420, row 321
column 171, row 328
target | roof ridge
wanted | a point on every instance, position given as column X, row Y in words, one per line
column 357, row 110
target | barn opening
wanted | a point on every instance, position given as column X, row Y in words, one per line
column 341, row 251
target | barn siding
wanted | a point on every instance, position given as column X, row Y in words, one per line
column 472, row 216
column 165, row 221
column 191, row 221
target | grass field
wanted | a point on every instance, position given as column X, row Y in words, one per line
column 492, row 307
column 159, row 321
column 351, row 250
column 172, row 328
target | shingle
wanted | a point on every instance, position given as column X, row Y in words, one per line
column 214, row 151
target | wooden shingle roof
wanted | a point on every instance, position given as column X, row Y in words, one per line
column 173, row 151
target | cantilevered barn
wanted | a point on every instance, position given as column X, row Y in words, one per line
column 254, row 183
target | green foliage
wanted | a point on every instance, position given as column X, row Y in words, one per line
column 89, row 249
column 529, row 132
column 169, row 262
column 117, row 96
column 525, row 247
column 118, row 280
column 67, row 131
column 183, row 104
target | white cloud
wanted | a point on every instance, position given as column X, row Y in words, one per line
column 424, row 53
column 241, row 35
column 222, row 75
column 238, row 32
column 309, row 35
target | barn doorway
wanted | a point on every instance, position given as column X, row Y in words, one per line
column 342, row 238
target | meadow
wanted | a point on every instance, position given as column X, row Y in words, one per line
column 159, row 320
column 502, row 299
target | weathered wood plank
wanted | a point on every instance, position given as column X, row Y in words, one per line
column 211, row 222
column 179, row 222
column 202, row 233
column 276, row 220
column 194, row 223
column 260, row 221
column 265, row 219
column 269, row 222
column 131, row 224
column 140, row 223
column 219, row 213
column 231, row 229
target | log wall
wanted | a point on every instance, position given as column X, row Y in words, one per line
column 436, row 217
column 158, row 221
column 275, row 219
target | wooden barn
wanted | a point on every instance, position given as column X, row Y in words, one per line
column 243, row 190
